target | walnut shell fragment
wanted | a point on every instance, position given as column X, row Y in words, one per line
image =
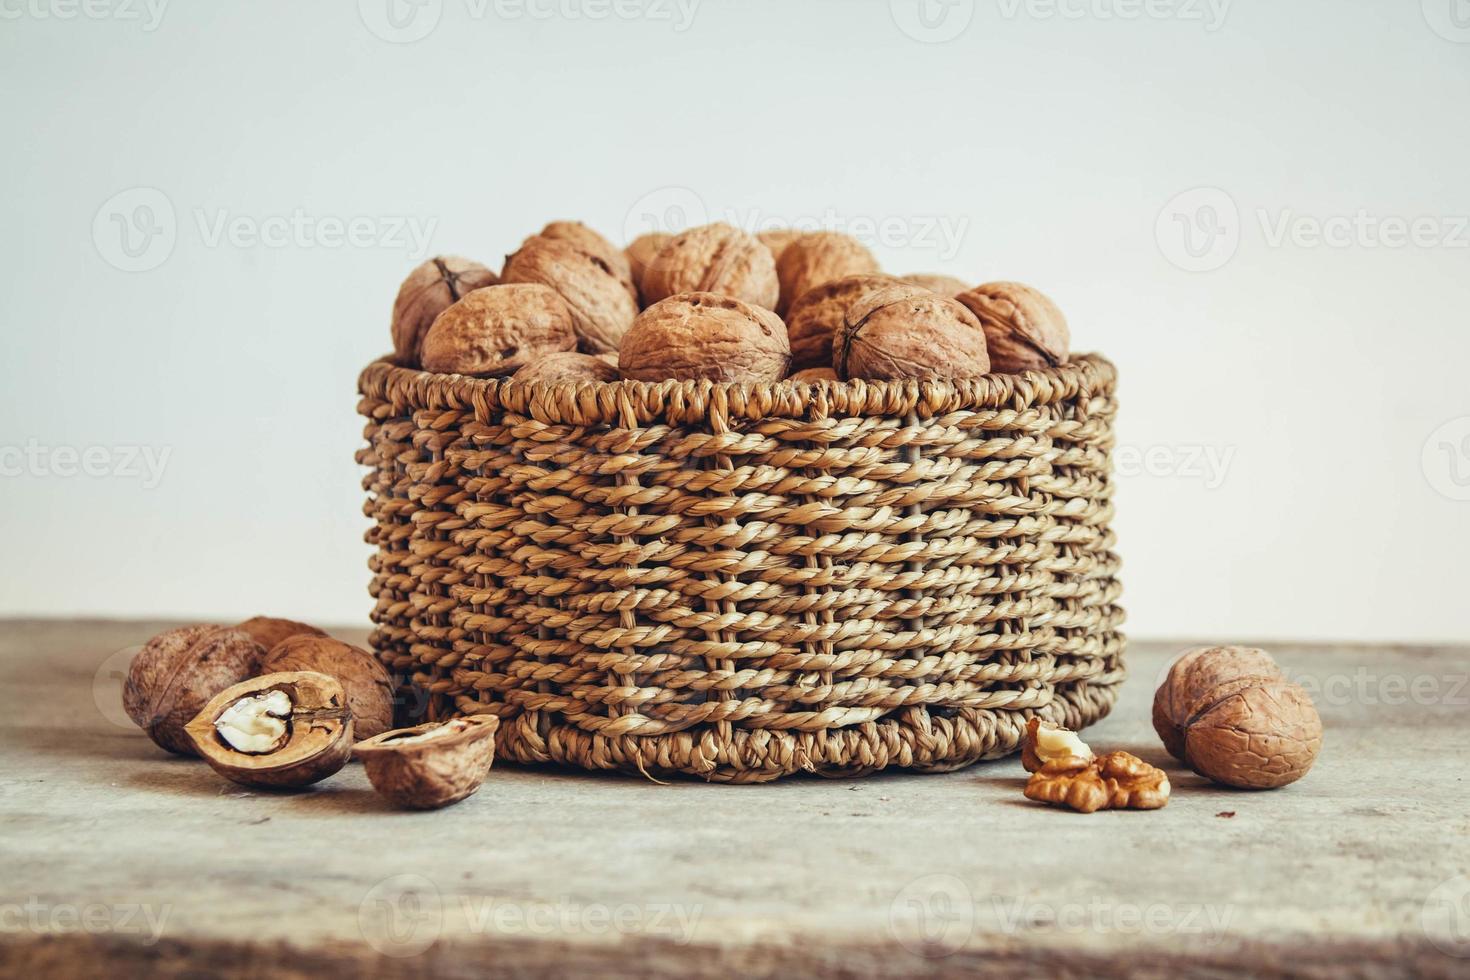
column 819, row 257
column 1116, row 781
column 176, row 674
column 906, row 331
column 601, row 305
column 281, row 731
column 429, row 290
column 433, row 765
column 1045, row 742
column 367, row 682
column 815, row 319
column 268, row 630
column 717, row 258
column 1023, row 328
column 567, row 367
column 497, row 330
column 705, row 336
column 1232, row 716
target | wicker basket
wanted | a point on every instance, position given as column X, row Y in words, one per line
column 742, row 582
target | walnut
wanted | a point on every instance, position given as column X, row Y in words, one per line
column 176, row 674
column 428, row 291
column 1116, row 781
column 1231, row 715
column 578, row 235
column 815, row 318
column 496, row 330
column 567, row 366
column 367, row 682
column 1023, row 328
column 268, row 631
column 705, row 335
column 1045, row 742
column 640, row 253
column 283, row 730
column 433, row 765
column 906, row 331
column 819, row 257
column 943, row 285
column 602, row 307
column 716, row 258
column 814, row 375
column 776, row 239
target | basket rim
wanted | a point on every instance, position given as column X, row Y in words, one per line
column 640, row 402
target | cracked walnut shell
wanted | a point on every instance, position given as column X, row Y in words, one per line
column 1023, row 328
column 281, row 730
column 1116, row 781
column 600, row 302
column 497, row 330
column 819, row 257
column 705, row 336
column 429, row 290
column 905, row 331
column 367, row 682
column 177, row 672
column 432, row 765
column 717, row 258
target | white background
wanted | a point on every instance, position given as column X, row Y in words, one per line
column 1046, row 142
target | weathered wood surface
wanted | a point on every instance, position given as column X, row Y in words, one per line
column 118, row 860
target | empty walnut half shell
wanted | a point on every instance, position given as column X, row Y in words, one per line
column 433, row 765
column 278, row 730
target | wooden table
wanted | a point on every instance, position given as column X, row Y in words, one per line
column 119, row 860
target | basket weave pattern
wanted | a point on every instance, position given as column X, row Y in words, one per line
column 743, row 582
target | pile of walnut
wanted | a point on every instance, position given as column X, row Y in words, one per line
column 279, row 704
column 1226, row 712
column 713, row 303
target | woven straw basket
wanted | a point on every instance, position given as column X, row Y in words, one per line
column 741, row 582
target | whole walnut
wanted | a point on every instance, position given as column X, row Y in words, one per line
column 1231, row 715
column 814, row 375
column 943, row 285
column 815, row 318
column 428, row 291
column 716, row 258
column 640, row 253
column 602, row 307
column 176, row 674
column 1025, row 330
column 819, row 257
column 567, row 366
column 705, row 336
column 367, row 682
column 906, row 331
column 495, row 330
column 580, row 236
column 776, row 239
